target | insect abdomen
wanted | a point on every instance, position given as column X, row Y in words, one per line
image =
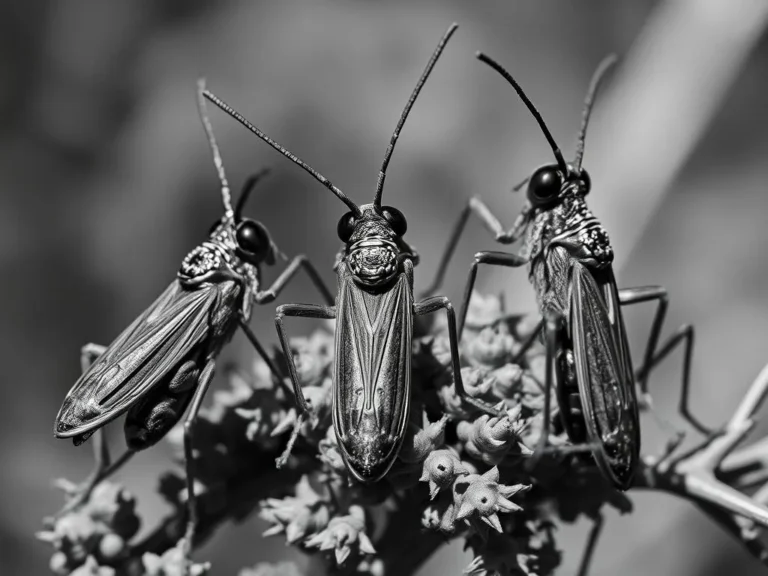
column 148, row 421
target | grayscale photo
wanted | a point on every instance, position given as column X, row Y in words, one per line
column 356, row 288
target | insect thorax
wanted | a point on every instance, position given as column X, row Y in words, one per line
column 572, row 225
column 215, row 260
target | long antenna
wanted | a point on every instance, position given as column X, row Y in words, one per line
column 508, row 77
column 594, row 86
column 407, row 110
column 248, row 187
column 202, row 108
column 290, row 155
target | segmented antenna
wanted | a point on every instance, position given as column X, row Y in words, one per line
column 290, row 155
column 407, row 110
column 508, row 77
column 248, row 187
column 594, row 86
column 202, row 108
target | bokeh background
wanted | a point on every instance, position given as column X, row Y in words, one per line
column 106, row 183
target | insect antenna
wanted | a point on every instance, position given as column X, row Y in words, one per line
column 248, row 187
column 290, row 155
column 594, row 86
column 396, row 134
column 508, row 77
column 202, row 108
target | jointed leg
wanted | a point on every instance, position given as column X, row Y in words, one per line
column 684, row 335
column 629, row 296
column 440, row 302
column 103, row 466
column 276, row 373
column 268, row 295
column 492, row 224
column 300, row 311
column 492, row 259
column 300, row 261
column 206, row 376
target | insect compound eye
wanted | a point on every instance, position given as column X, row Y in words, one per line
column 395, row 219
column 544, row 186
column 252, row 240
column 346, row 226
column 585, row 181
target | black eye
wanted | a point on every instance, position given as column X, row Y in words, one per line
column 586, row 181
column 252, row 241
column 346, row 226
column 396, row 220
column 544, row 186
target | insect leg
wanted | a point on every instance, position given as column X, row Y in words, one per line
column 492, row 259
column 441, row 302
column 300, row 261
column 492, row 224
column 629, row 296
column 206, row 376
column 594, row 534
column 276, row 373
column 300, row 311
column 684, row 335
column 103, row 467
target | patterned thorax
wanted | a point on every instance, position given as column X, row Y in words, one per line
column 216, row 260
column 570, row 224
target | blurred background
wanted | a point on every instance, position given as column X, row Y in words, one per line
column 107, row 182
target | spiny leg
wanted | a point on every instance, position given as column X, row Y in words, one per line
column 103, row 465
column 297, row 311
column 206, row 376
column 475, row 206
column 441, row 302
column 589, row 550
column 491, row 259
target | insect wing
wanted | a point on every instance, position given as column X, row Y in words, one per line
column 372, row 374
column 137, row 359
column 604, row 374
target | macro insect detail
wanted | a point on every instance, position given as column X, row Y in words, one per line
column 569, row 259
column 374, row 313
column 164, row 362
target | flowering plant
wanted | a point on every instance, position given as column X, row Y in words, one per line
column 460, row 473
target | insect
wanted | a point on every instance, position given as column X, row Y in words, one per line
column 374, row 319
column 569, row 259
column 164, row 361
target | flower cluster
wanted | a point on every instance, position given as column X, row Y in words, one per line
column 460, row 473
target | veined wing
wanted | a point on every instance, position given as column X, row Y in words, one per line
column 144, row 353
column 372, row 374
column 604, row 372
